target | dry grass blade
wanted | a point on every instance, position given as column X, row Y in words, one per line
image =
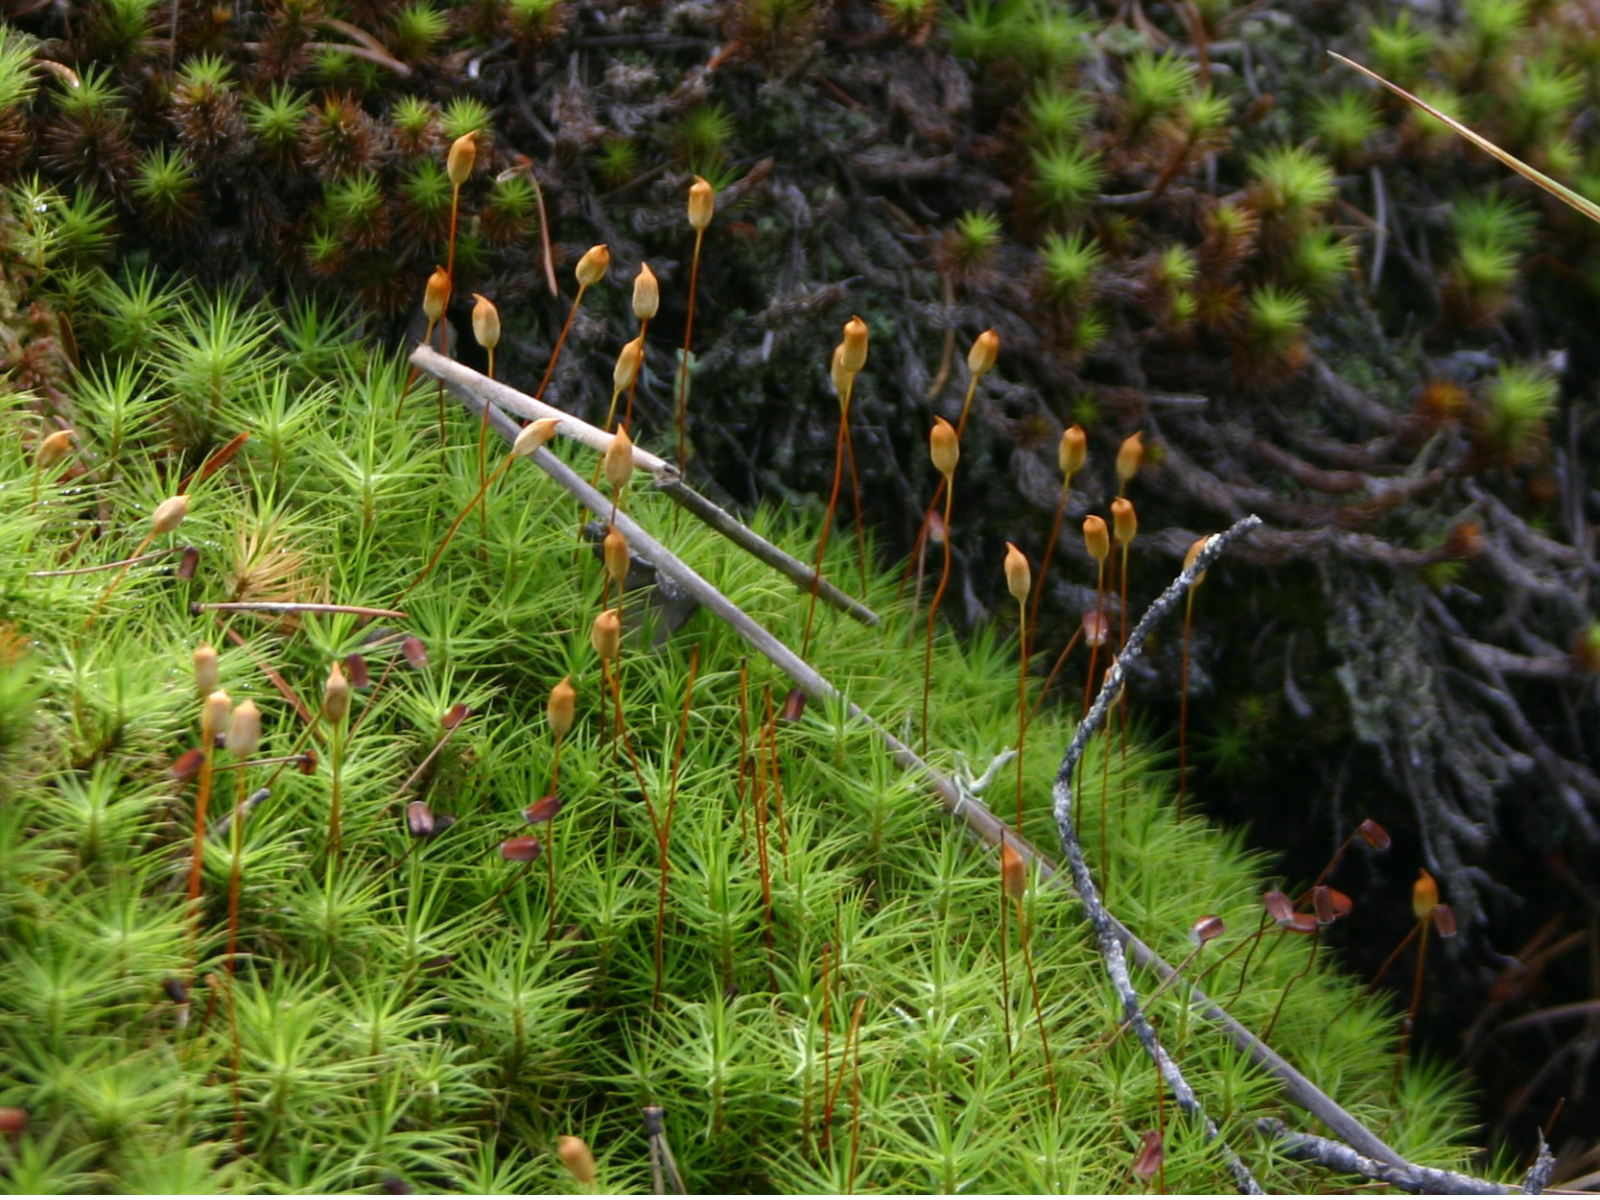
column 1562, row 193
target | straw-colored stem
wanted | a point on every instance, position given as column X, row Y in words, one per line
column 335, row 817
column 1049, row 553
column 38, row 470
column 483, row 456
column 555, row 355
column 1328, row 869
column 450, row 273
column 105, row 566
column 1022, row 703
column 550, row 853
column 202, row 801
column 614, row 679
column 1061, row 661
column 117, row 579
column 1094, row 647
column 1311, row 961
column 237, row 846
column 444, row 348
column 609, row 427
column 855, row 494
column 688, row 340
column 758, row 803
column 744, row 750
column 938, row 494
column 1038, row 1008
column 450, row 252
column 933, row 612
column 411, row 375
column 855, row 1104
column 836, row 1085
column 456, row 524
column 1244, row 968
column 1183, row 707
column 827, row 519
column 1105, row 825
column 633, row 386
column 827, row 1023
column 773, row 765
column 1005, row 969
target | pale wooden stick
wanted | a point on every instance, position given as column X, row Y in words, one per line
column 474, row 389
column 980, row 822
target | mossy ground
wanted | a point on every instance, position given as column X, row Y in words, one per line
column 400, row 1012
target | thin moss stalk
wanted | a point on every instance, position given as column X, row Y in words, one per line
column 1019, row 581
column 849, row 356
column 944, row 447
column 528, row 441
column 486, row 329
column 335, row 710
column 774, row 764
column 591, row 269
column 1014, row 874
column 702, row 203
column 168, row 515
column 243, row 740
column 1070, row 455
column 665, row 832
column 215, row 711
column 981, row 359
column 646, row 302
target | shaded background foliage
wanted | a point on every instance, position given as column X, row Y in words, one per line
column 1316, row 304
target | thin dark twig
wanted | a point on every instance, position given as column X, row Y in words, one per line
column 1107, row 929
column 109, row 566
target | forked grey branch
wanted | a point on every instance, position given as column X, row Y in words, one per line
column 979, row 821
column 1336, row 1156
column 1109, row 931
column 474, row 388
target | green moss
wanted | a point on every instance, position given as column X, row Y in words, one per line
column 17, row 79
column 1056, row 115
column 1154, row 86
column 400, row 1013
column 1067, row 266
column 165, row 187
column 1400, row 48
column 1066, row 179
column 464, row 115
column 276, row 118
column 617, row 160
column 1518, row 403
column 1292, row 183
column 1344, row 121
column 703, row 137
column 417, row 29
